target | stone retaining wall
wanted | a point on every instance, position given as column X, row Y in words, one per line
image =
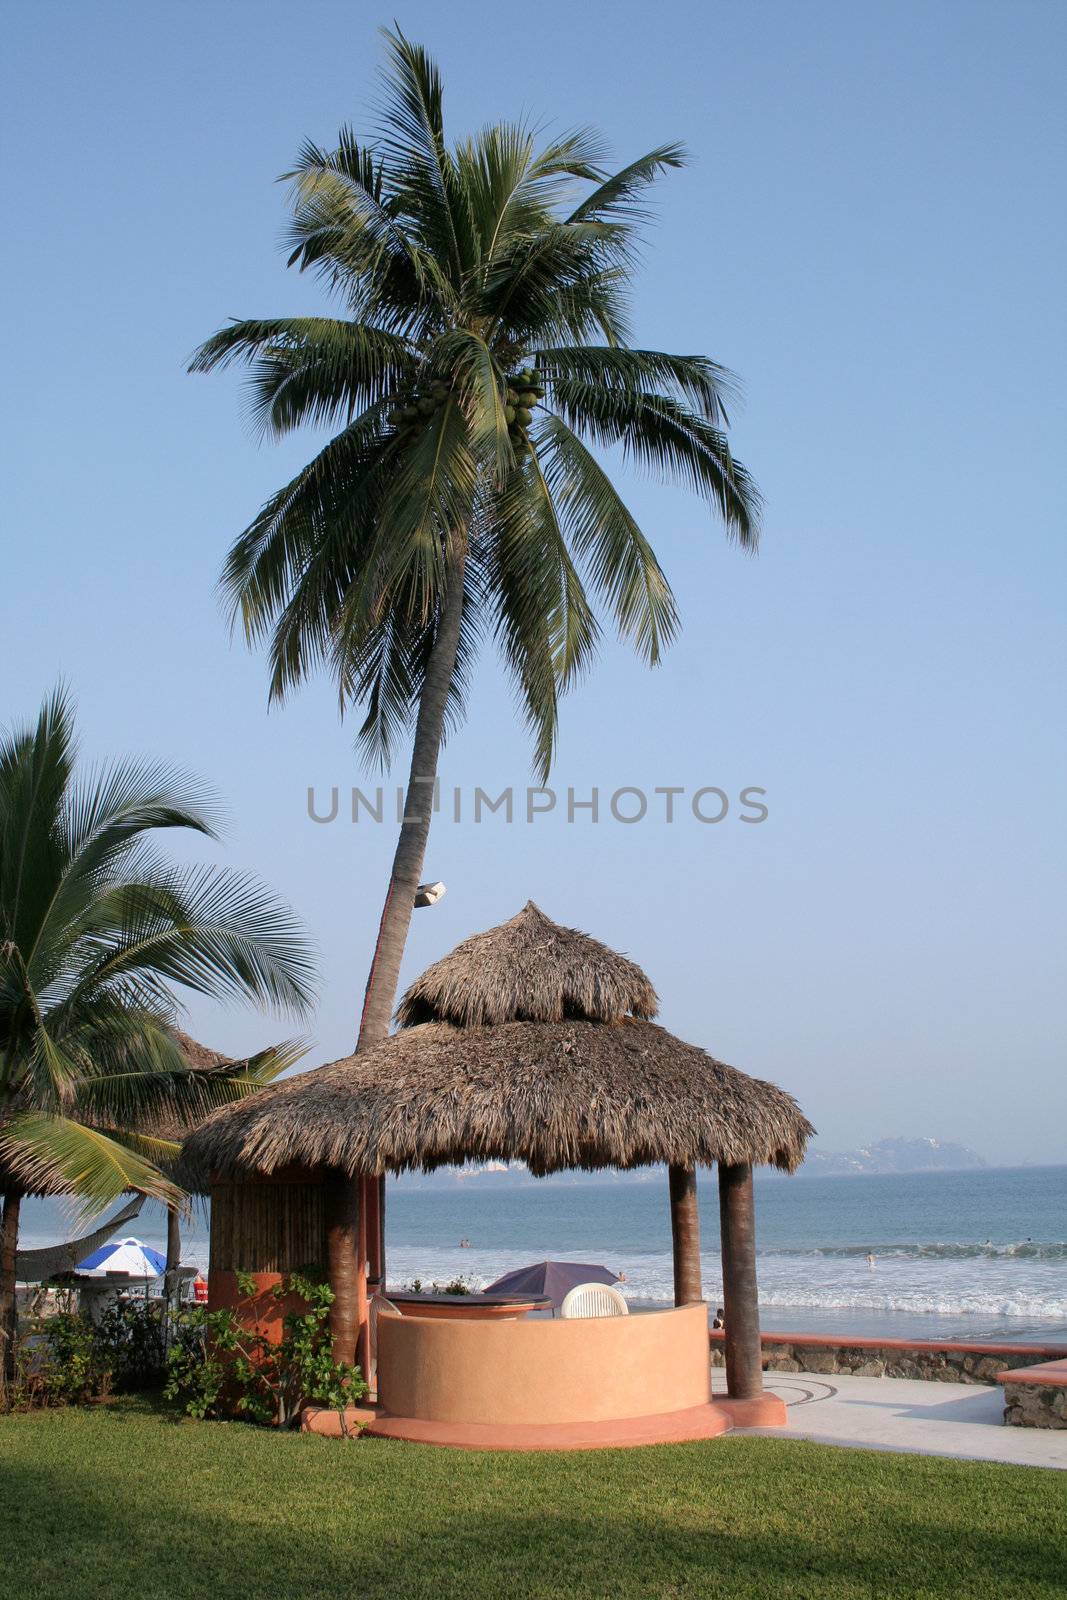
column 1033, row 1405
column 892, row 1358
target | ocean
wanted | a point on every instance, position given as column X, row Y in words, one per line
column 958, row 1255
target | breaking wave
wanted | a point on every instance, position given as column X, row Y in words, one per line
column 1027, row 1250
column 917, row 1280
column 919, row 1300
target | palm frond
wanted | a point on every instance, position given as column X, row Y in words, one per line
column 217, row 932
column 58, row 1154
column 545, row 626
column 604, row 534
column 427, row 503
column 386, row 668
column 98, row 931
column 347, row 228
column 307, row 541
column 313, row 370
column 132, row 1094
column 35, row 768
column 377, row 673
column 423, row 172
column 564, row 284
column 106, row 816
column 693, row 380
column 511, row 189
column 664, row 436
column 616, row 196
column 42, row 1072
column 267, row 1064
column 522, row 635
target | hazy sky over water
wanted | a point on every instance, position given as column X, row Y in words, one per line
column 871, row 233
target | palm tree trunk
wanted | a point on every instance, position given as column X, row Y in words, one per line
column 400, row 899
column 9, row 1240
column 345, row 1246
column 411, row 846
column 174, row 1242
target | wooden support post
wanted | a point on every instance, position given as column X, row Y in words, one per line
column 380, row 1232
column 370, row 1189
column 174, row 1240
column 685, row 1235
column 737, row 1223
column 346, row 1265
column 364, row 1354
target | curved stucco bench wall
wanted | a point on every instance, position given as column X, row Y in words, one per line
column 539, row 1370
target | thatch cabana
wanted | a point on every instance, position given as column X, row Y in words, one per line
column 528, row 1042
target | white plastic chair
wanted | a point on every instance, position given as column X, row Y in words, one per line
column 594, row 1300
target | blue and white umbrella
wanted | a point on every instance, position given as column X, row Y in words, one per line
column 137, row 1260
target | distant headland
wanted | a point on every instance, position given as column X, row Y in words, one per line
column 892, row 1155
column 882, row 1157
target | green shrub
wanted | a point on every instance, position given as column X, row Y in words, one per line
column 133, row 1337
column 65, row 1364
column 69, row 1360
column 76, row 1367
column 221, row 1361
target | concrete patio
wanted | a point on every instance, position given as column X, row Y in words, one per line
column 942, row 1419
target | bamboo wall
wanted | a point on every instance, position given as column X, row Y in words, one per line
column 268, row 1226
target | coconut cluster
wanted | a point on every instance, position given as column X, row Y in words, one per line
column 415, row 408
column 419, row 405
column 524, row 391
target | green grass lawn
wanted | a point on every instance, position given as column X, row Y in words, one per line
column 123, row 1500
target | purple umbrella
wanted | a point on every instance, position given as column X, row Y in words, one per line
column 551, row 1278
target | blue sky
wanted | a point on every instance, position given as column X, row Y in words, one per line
column 871, row 233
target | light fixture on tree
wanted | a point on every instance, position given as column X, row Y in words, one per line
column 428, row 894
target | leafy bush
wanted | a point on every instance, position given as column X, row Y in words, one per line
column 69, row 1360
column 194, row 1373
column 133, row 1337
column 66, row 1364
column 76, row 1368
column 222, row 1362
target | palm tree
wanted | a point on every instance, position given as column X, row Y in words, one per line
column 482, row 355
column 96, row 930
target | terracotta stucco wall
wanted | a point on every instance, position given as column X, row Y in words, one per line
column 542, row 1370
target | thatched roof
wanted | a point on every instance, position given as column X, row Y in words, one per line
column 200, row 1059
column 553, row 1094
column 208, row 1064
column 558, row 1092
column 528, row 970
